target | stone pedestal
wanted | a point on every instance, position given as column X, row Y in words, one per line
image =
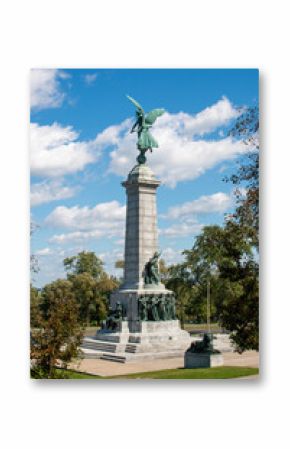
column 141, row 240
column 202, row 360
column 135, row 339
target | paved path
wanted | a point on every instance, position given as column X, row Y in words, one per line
column 105, row 368
column 248, row 358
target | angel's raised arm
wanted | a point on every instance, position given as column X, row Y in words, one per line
column 136, row 104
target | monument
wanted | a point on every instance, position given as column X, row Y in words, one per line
column 202, row 354
column 142, row 321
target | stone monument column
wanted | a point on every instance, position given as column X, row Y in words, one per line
column 141, row 320
column 141, row 240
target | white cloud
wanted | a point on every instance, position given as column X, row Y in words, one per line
column 120, row 242
column 206, row 204
column 45, row 89
column 44, row 252
column 77, row 236
column 90, row 78
column 180, row 155
column 182, row 229
column 172, row 256
column 206, row 121
column 47, row 191
column 112, row 135
column 105, row 219
column 186, row 214
column 55, row 150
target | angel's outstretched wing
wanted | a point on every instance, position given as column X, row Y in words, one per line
column 152, row 115
column 135, row 103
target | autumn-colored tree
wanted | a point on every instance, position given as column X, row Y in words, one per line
column 57, row 332
column 120, row 264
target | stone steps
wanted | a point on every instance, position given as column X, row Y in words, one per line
column 131, row 348
column 113, row 358
column 98, row 345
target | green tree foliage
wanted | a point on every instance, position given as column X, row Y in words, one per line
column 120, row 264
column 84, row 262
column 35, row 299
column 57, row 332
column 34, row 265
column 92, row 295
column 247, row 175
column 178, row 280
column 163, row 270
column 91, row 285
column 224, row 256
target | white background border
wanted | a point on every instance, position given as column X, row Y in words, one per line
column 203, row 34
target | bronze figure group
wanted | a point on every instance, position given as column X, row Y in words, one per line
column 156, row 307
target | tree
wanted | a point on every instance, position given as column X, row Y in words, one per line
column 179, row 281
column 34, row 265
column 91, row 285
column 35, row 300
column 163, row 270
column 84, row 262
column 57, row 333
column 224, row 255
column 120, row 264
column 92, row 295
column 247, row 176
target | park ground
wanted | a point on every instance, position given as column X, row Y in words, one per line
column 245, row 365
column 235, row 366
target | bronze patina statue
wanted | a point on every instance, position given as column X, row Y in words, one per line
column 205, row 346
column 143, row 308
column 151, row 270
column 143, row 123
column 156, row 307
column 114, row 318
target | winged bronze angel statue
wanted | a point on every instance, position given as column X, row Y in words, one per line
column 143, row 123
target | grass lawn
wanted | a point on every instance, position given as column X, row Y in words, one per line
column 189, row 327
column 76, row 375
column 221, row 372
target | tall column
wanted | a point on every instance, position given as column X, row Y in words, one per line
column 141, row 240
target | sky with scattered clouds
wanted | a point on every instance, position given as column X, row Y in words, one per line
column 81, row 150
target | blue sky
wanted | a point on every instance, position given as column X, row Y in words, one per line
column 81, row 151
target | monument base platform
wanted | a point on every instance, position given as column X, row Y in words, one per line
column 153, row 340
column 202, row 360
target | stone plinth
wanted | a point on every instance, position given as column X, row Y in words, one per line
column 133, row 338
column 129, row 300
column 153, row 340
column 202, row 360
column 141, row 224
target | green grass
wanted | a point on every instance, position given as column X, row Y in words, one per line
column 221, row 372
column 70, row 374
column 215, row 327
